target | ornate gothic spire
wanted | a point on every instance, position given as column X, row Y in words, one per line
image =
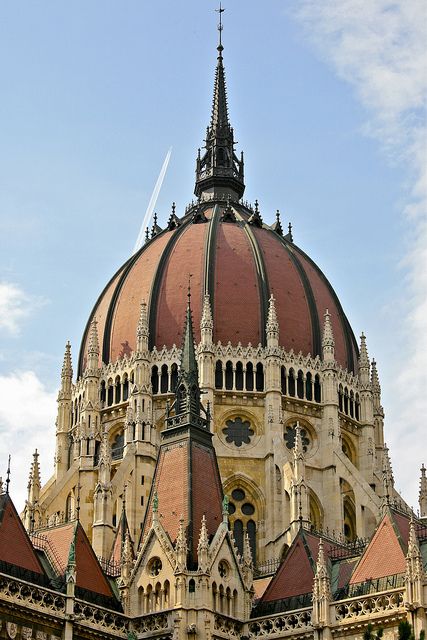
column 364, row 365
column 272, row 326
column 328, row 342
column 67, row 368
column 321, row 590
column 219, row 170
column 203, row 547
column 181, row 547
column 187, row 388
column 206, row 322
column 93, row 346
column 142, row 328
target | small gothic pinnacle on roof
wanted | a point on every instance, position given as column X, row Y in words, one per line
column 8, row 475
column 364, row 364
column 255, row 219
column 142, row 328
column 272, row 321
column 277, row 226
column 93, row 347
column 147, row 235
column 289, row 236
column 328, row 342
column 298, row 446
column 375, row 382
column 207, row 320
column 67, row 369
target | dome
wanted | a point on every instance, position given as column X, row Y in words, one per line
column 239, row 262
column 232, row 256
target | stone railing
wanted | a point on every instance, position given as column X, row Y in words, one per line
column 274, row 626
column 226, row 627
column 369, row 607
column 152, row 624
column 95, row 617
column 31, row 596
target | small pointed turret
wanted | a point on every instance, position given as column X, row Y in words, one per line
column 364, row 366
column 321, row 590
column 93, row 346
column 181, row 547
column 272, row 326
column 414, row 573
column 277, row 226
column 328, row 342
column 206, row 323
column 298, row 447
column 142, row 328
column 375, row 386
column 34, row 483
column 219, row 171
column 67, row 370
column 104, row 472
column 423, row 492
column 388, row 479
column 203, row 547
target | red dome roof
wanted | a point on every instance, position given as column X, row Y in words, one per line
column 239, row 264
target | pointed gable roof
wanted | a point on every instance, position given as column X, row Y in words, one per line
column 119, row 538
column 15, row 545
column 89, row 574
column 384, row 555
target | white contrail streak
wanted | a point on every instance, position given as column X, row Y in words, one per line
column 150, row 209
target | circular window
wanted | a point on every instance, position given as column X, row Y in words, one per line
column 223, row 569
column 289, row 436
column 154, row 566
column 231, row 508
column 248, row 509
column 238, row 494
column 238, row 431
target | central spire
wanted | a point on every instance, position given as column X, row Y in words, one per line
column 219, row 171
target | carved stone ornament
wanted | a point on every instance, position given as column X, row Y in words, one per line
column 12, row 629
column 27, row 633
column 41, row 635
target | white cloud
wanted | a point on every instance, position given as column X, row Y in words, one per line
column 379, row 48
column 15, row 306
column 27, row 422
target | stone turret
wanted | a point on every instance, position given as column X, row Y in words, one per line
column 299, row 496
column 423, row 493
column 367, row 433
column 206, row 354
column 31, row 511
column 102, row 531
column 63, row 420
column 322, row 595
column 414, row 574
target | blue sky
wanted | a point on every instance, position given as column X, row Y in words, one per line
column 328, row 103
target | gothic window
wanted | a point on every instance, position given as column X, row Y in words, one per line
column 259, row 377
column 244, row 522
column 340, row 398
column 218, row 375
column 357, row 407
column 125, row 388
column 283, row 380
column 249, row 377
column 289, row 437
column 164, row 379
column 300, row 384
column 174, row 377
column 110, row 393
column 155, row 379
column 317, row 391
column 351, row 404
column 239, row 376
column 117, row 446
column 102, row 393
column 251, row 529
column 309, row 387
column 223, row 569
column 238, row 535
column 117, row 390
column 291, row 383
column 228, row 375
column 155, row 566
column 238, row 431
column 346, row 400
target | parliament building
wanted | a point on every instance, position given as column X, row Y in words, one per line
column 220, row 469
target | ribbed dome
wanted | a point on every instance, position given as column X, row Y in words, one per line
column 239, row 264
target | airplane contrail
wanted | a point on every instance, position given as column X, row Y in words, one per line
column 150, row 209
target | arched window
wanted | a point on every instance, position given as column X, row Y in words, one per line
column 283, row 380
column 102, row 393
column 218, row 375
column 251, row 529
column 317, row 391
column 351, row 404
column 340, row 398
column 228, row 375
column 345, row 400
column 300, row 384
column 155, row 379
column 357, row 407
column 117, row 390
column 191, row 585
column 164, row 379
column 110, row 393
column 117, row 446
column 238, row 535
column 309, row 387
column 174, row 376
column 259, row 377
column 249, row 377
column 125, row 387
column 214, row 596
column 291, row 383
column 239, row 376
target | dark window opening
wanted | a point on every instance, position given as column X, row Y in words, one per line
column 218, row 375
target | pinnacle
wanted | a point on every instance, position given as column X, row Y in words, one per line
column 298, row 447
column 93, row 348
column 67, row 369
column 328, row 335
column 142, row 329
column 272, row 322
column 203, row 538
column 363, row 357
column 206, row 321
column 375, row 382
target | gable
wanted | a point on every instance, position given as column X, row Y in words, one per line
column 294, row 577
column 15, row 545
column 382, row 557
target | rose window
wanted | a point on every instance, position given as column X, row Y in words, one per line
column 238, row 431
column 290, row 434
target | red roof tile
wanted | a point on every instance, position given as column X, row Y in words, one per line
column 15, row 545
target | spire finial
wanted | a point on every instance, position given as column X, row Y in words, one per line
column 220, row 28
column 8, row 475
